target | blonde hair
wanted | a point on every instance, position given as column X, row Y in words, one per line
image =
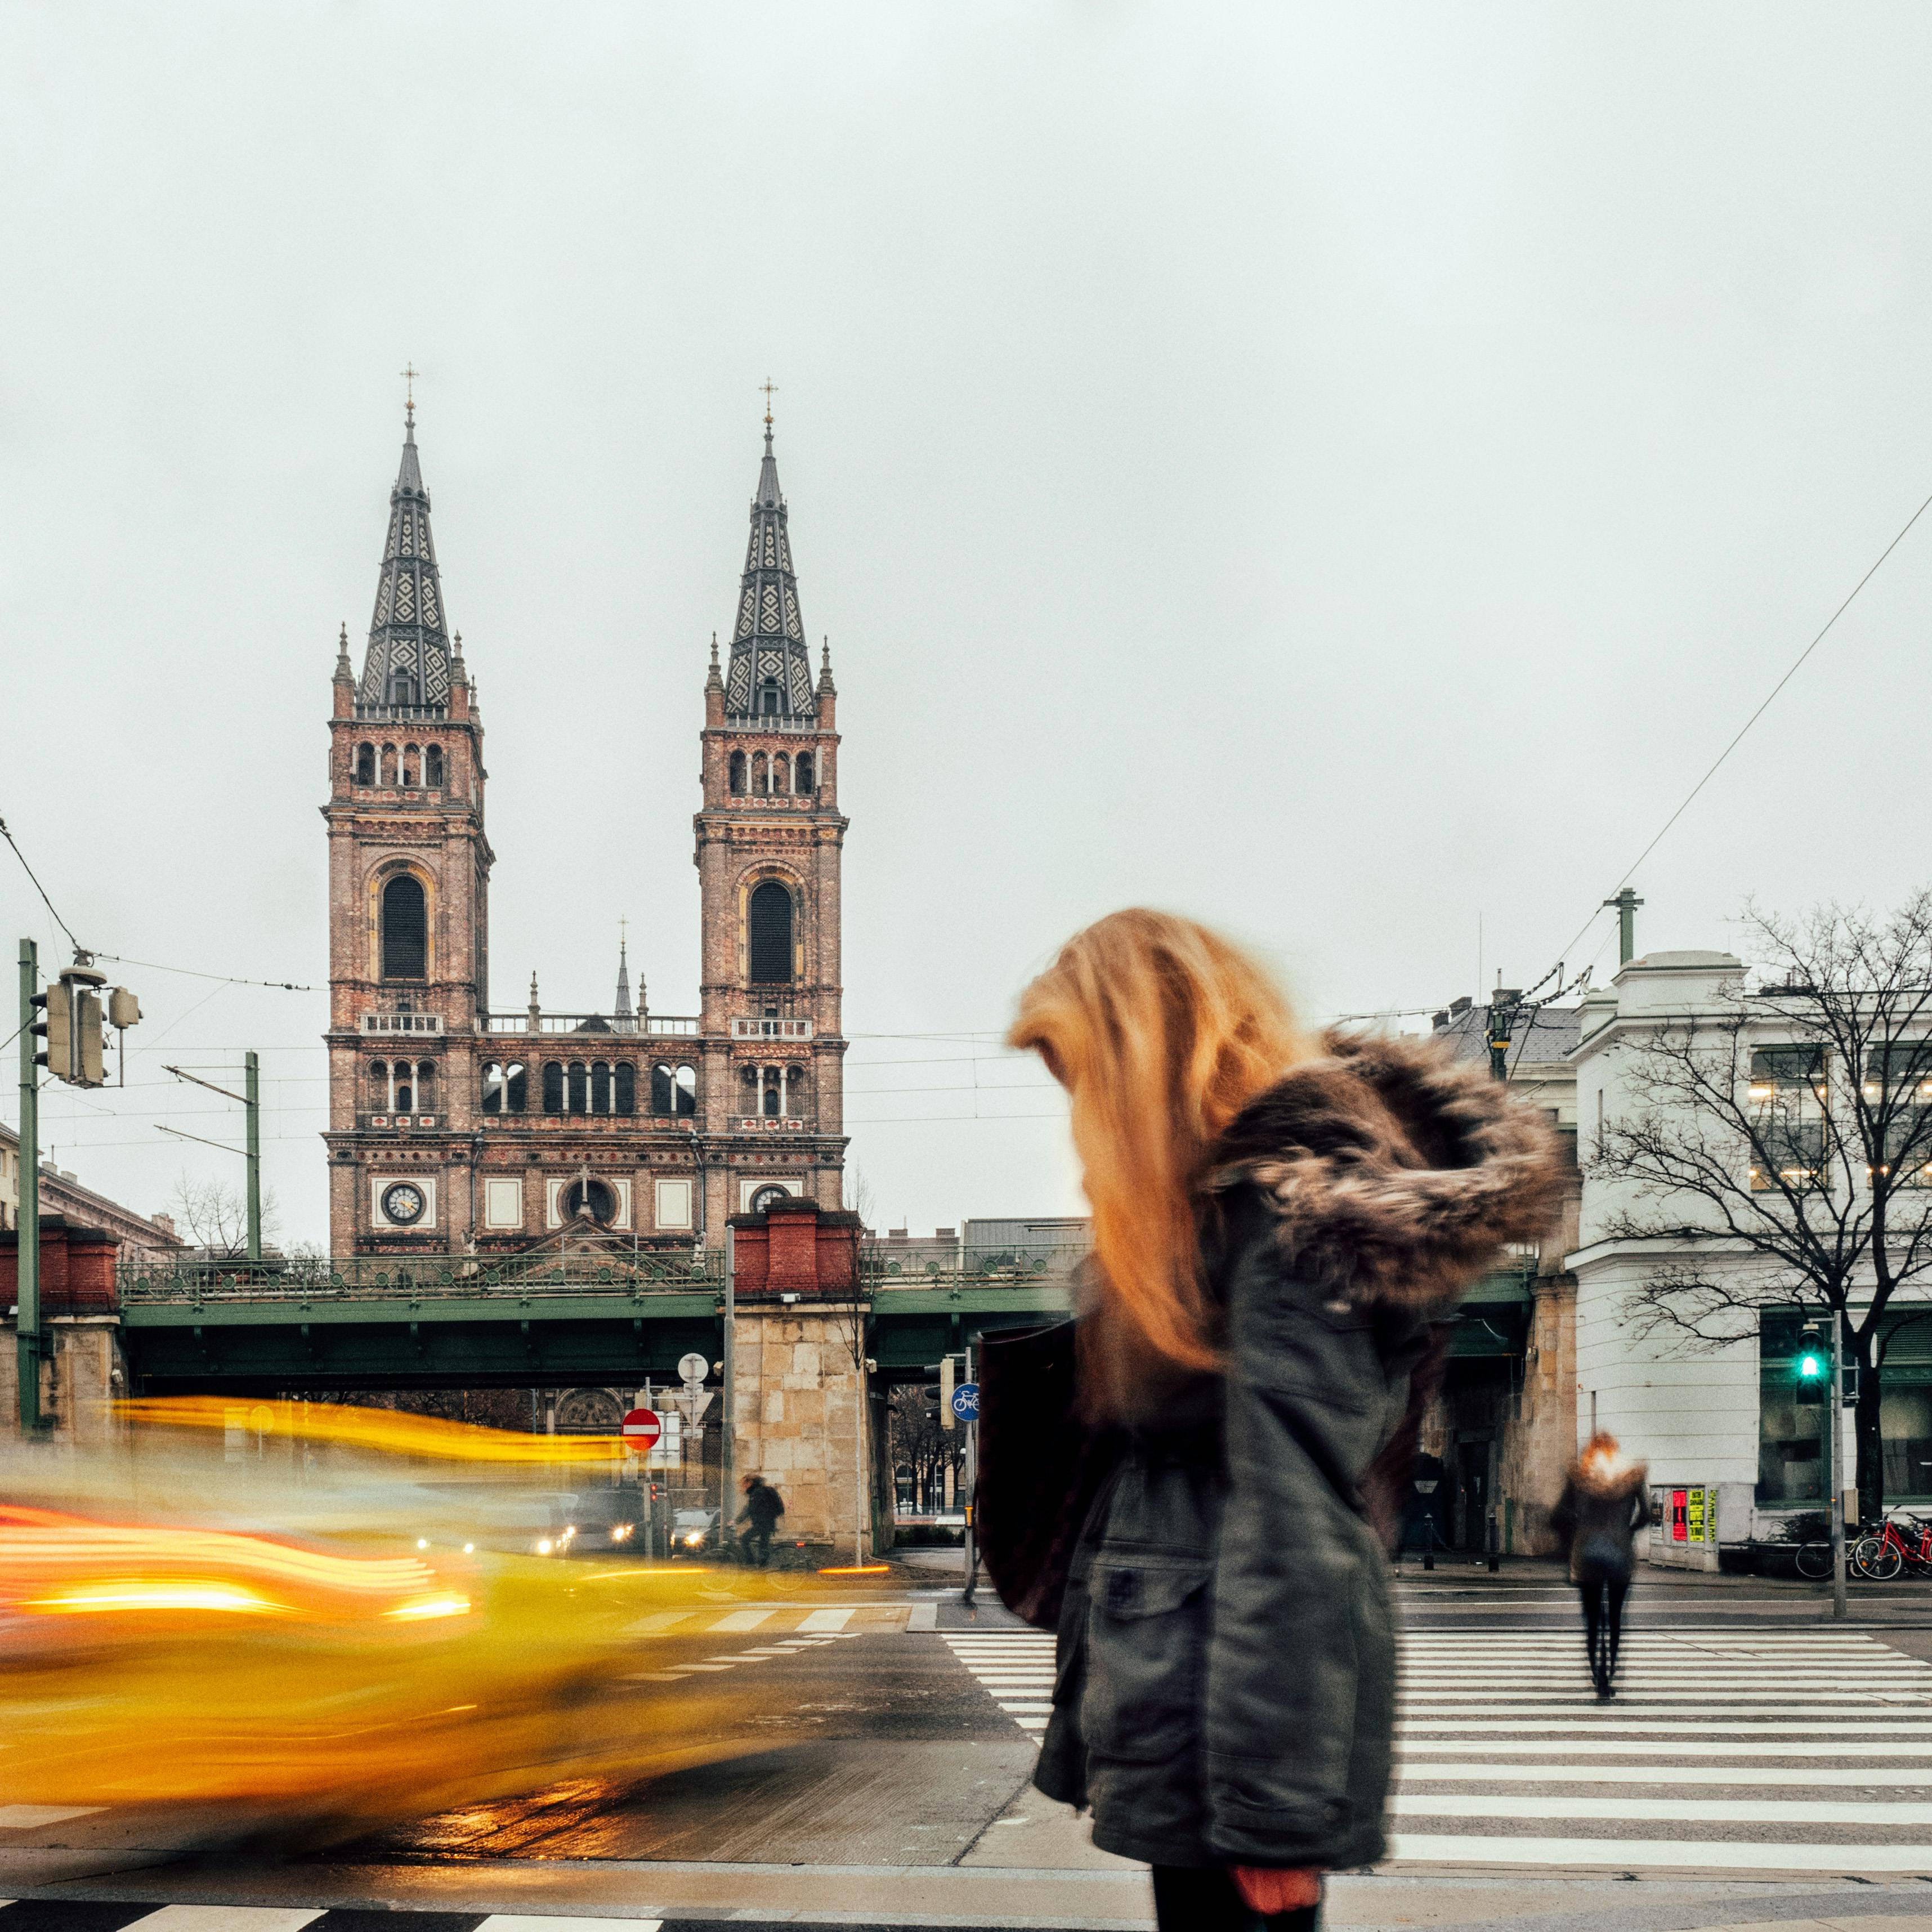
column 1161, row 1032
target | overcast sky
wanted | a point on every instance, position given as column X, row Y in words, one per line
column 1340, row 471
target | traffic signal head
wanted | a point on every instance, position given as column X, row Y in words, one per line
column 1812, row 1368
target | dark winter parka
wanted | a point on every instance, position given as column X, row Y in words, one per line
column 1602, row 1508
column 1226, row 1686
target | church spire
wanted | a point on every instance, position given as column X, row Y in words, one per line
column 408, row 660
column 771, row 663
column 621, row 1013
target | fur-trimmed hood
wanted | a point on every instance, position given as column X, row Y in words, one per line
column 1397, row 1172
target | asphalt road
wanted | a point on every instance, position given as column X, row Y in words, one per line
column 1762, row 1765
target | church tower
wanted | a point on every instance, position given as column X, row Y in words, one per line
column 409, row 870
column 769, row 840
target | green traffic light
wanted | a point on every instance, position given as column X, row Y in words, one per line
column 1809, row 1368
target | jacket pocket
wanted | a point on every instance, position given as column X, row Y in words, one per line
column 1146, row 1661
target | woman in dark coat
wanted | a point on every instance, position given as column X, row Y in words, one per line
column 1278, row 1218
column 1601, row 1510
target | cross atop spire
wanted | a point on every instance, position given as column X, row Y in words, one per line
column 770, row 389
column 410, row 375
column 621, row 1011
column 771, row 663
column 407, row 664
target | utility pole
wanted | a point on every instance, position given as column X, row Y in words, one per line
column 1626, row 903
column 250, row 1097
column 27, row 1321
column 1834, row 1424
column 727, row 1456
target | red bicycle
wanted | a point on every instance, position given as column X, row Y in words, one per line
column 1880, row 1558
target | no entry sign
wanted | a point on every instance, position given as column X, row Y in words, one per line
column 641, row 1430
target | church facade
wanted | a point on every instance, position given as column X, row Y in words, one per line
column 458, row 1128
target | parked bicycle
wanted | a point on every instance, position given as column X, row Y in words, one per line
column 1814, row 1561
column 1904, row 1542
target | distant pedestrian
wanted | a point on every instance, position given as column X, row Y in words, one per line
column 1600, row 1511
column 1278, row 1218
column 764, row 1506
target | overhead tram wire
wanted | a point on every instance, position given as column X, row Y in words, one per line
column 1716, row 763
column 5, row 834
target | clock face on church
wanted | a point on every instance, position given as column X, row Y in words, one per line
column 403, row 1204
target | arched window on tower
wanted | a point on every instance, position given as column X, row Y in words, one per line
column 553, row 1087
column 504, row 1088
column 781, row 773
column 769, row 935
column 433, row 767
column 365, row 764
column 425, row 1086
column 600, row 1086
column 626, row 1082
column 379, row 1086
column 412, row 757
column 663, row 1089
column 405, row 928
column 406, row 1099
column 802, row 774
column 770, row 698
column 684, row 1090
column 389, row 766
column 580, row 1089
column 771, row 1086
column 761, row 781
column 402, row 687
column 738, row 771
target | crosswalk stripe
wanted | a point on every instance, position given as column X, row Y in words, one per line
column 1659, row 1811
column 1566, row 1719
column 230, row 1918
column 29, row 1817
column 1655, row 1775
column 743, row 1620
column 1409, row 1746
column 1716, row 1854
column 923, row 1617
column 520, row 1921
column 826, row 1620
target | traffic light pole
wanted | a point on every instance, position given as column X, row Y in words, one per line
column 253, row 1089
column 1834, row 1429
column 27, row 1320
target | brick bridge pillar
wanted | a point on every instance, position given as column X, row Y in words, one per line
column 798, row 1351
column 83, row 1372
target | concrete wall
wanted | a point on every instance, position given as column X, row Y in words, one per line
column 83, row 1376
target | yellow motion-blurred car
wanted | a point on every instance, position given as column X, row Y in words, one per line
column 320, row 1639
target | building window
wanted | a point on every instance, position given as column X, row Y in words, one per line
column 405, row 928
column 411, row 755
column 553, row 1088
column 402, row 687
column 1897, row 1089
column 625, row 1082
column 1787, row 1097
column 600, row 1086
column 425, row 1086
column 601, row 1199
column 737, row 771
column 770, row 696
column 432, row 768
column 801, row 773
column 761, row 781
column 382, row 1098
column 504, row 1088
column 580, row 1089
column 388, row 770
column 770, row 946
column 766, row 1195
column 365, row 764
column 781, row 773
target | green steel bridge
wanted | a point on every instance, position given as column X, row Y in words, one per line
column 454, row 1321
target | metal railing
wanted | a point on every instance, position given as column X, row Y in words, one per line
column 153, row 1280
column 770, row 721
column 653, row 1026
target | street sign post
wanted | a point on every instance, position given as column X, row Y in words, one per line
column 966, row 1401
column 641, row 1430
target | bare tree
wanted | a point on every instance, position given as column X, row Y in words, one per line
column 1779, row 1146
column 215, row 1216
column 919, row 1440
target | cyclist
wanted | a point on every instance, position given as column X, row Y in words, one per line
column 1602, row 1506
